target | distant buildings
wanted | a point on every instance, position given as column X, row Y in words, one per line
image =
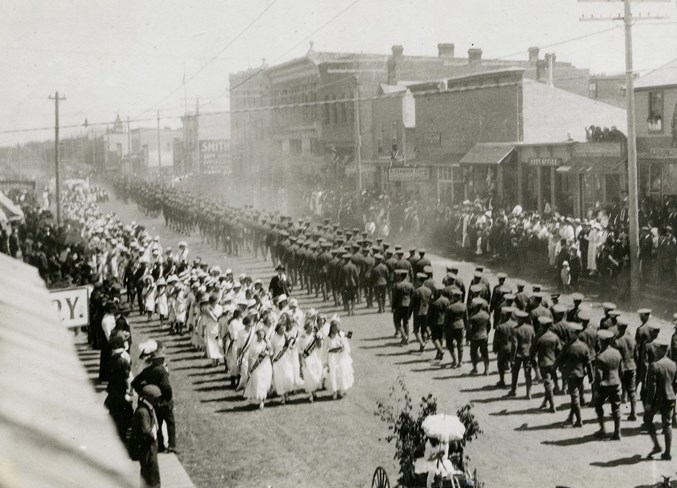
column 205, row 147
column 300, row 115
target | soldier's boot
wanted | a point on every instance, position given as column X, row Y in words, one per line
column 551, row 400
column 633, row 406
column 501, row 380
column 602, row 429
column 528, row 395
column 460, row 356
column 667, row 436
column 486, row 366
column 617, row 429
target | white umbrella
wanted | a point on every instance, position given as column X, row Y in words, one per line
column 444, row 427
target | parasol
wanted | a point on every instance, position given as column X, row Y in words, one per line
column 444, row 427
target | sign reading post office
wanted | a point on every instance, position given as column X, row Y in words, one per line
column 72, row 305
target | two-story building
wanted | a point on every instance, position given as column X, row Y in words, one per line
column 482, row 136
column 303, row 112
column 656, row 121
column 205, row 144
column 152, row 151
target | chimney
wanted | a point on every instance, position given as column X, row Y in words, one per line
column 397, row 51
column 474, row 55
column 445, row 50
column 533, row 55
column 550, row 63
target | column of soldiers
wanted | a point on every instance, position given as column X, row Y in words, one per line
column 533, row 332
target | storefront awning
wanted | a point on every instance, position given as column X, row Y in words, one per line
column 593, row 165
column 488, row 153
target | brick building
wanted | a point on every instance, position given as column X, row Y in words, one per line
column 314, row 120
column 458, row 138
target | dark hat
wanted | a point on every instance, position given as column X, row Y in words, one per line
column 479, row 269
column 279, row 267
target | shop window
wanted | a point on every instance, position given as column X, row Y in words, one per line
column 655, row 119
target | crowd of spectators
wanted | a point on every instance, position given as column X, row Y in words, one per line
column 567, row 248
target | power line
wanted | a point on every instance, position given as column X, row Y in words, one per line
column 213, row 58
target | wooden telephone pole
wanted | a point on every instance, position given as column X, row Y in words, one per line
column 57, row 175
column 633, row 192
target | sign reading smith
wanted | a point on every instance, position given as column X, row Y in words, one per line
column 215, row 157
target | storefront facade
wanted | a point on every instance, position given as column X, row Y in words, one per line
column 656, row 116
column 571, row 178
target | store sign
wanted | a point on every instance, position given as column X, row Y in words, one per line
column 72, row 305
column 409, row 174
column 215, row 157
column 664, row 152
column 545, row 162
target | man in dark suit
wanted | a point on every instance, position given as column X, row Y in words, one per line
column 144, row 436
column 279, row 284
column 660, row 397
column 156, row 374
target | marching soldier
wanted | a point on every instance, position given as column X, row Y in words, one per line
column 479, row 324
column 502, row 345
column 420, row 303
column 574, row 362
column 660, row 398
column 455, row 323
column 547, row 348
column 401, row 305
column 436, row 314
column 379, row 282
column 625, row 344
column 607, row 366
column 523, row 338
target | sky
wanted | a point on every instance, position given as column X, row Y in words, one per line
column 129, row 56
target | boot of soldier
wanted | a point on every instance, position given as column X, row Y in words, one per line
column 602, row 430
column 667, row 435
column 551, row 400
column 617, row 430
column 501, row 381
column 460, row 357
column 633, row 405
column 528, row 395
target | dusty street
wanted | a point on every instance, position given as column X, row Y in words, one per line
column 223, row 442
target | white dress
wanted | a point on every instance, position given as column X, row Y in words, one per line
column 283, row 368
column 259, row 381
column 311, row 366
column 340, row 377
column 294, row 352
column 235, row 327
column 210, row 321
column 149, row 297
column 161, row 305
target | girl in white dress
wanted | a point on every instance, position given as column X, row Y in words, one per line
column 148, row 293
column 293, row 336
column 235, row 327
column 340, row 364
column 210, row 321
column 283, row 368
column 161, row 304
column 245, row 340
column 311, row 360
column 196, row 337
column 260, row 371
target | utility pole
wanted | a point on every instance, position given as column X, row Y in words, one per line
column 633, row 196
column 358, row 137
column 57, row 178
column 159, row 148
column 129, row 146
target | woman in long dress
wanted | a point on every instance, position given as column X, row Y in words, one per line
column 234, row 328
column 283, row 368
column 161, row 304
column 311, row 360
column 210, row 321
column 260, row 370
column 244, row 341
column 293, row 336
column 148, row 293
column 196, row 337
column 340, row 377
